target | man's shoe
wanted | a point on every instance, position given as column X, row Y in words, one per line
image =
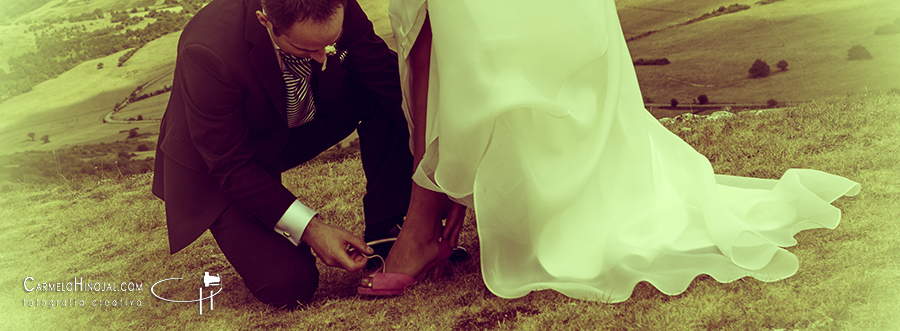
column 459, row 254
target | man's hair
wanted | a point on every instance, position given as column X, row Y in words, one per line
column 284, row 13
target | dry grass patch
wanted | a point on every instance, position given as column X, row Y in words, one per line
column 113, row 230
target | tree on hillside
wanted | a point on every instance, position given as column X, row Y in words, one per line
column 858, row 52
column 117, row 17
column 702, row 99
column 31, row 135
column 782, row 65
column 99, row 65
column 760, row 69
column 674, row 102
column 46, row 138
column 772, row 103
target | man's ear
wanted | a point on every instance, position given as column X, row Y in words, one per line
column 263, row 19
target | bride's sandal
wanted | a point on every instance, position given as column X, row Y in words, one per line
column 385, row 284
column 373, row 256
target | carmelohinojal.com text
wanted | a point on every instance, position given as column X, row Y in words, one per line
column 79, row 285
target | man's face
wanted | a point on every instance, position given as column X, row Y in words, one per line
column 307, row 38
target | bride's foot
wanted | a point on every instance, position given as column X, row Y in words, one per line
column 418, row 248
column 409, row 256
column 393, row 282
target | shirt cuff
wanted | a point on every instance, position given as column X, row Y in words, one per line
column 294, row 222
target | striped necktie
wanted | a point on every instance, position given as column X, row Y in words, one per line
column 300, row 105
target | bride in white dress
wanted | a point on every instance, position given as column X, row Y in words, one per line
column 534, row 118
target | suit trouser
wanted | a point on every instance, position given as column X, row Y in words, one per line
column 277, row 272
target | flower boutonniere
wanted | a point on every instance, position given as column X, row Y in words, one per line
column 329, row 51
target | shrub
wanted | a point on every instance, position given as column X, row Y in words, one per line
column 132, row 133
column 702, row 99
column 127, row 56
column 888, row 29
column 46, row 138
column 858, row 52
column 118, row 17
column 782, row 65
column 143, row 148
column 99, row 65
column 772, row 103
column 87, row 169
column 760, row 69
column 140, row 117
column 721, row 11
column 651, row 62
column 673, row 102
column 31, row 135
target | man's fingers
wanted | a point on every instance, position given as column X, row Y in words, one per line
column 343, row 260
column 332, row 244
column 352, row 262
column 358, row 244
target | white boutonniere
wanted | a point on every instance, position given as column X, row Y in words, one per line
column 329, row 51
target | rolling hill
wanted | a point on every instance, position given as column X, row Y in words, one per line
column 813, row 36
column 708, row 57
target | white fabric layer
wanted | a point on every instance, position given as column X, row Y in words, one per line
column 535, row 120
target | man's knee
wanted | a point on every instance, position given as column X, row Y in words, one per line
column 288, row 288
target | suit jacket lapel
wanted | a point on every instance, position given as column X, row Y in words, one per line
column 263, row 59
column 327, row 86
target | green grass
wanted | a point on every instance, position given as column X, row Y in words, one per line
column 113, row 230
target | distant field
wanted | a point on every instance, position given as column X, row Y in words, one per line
column 639, row 16
column 70, row 108
column 710, row 57
column 56, row 8
column 813, row 36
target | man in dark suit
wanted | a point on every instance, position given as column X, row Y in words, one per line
column 241, row 113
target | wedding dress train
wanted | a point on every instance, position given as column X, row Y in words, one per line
column 536, row 121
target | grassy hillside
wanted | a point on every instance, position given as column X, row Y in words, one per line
column 708, row 57
column 639, row 16
column 70, row 108
column 57, row 8
column 713, row 56
column 112, row 230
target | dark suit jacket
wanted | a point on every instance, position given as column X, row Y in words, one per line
column 222, row 139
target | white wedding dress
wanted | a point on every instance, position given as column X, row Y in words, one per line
column 535, row 120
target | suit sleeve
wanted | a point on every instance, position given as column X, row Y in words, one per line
column 369, row 60
column 220, row 134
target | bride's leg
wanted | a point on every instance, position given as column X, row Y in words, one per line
column 455, row 218
column 416, row 246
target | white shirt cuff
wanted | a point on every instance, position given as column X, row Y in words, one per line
column 294, row 222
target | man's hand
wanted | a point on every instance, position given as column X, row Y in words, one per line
column 330, row 244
